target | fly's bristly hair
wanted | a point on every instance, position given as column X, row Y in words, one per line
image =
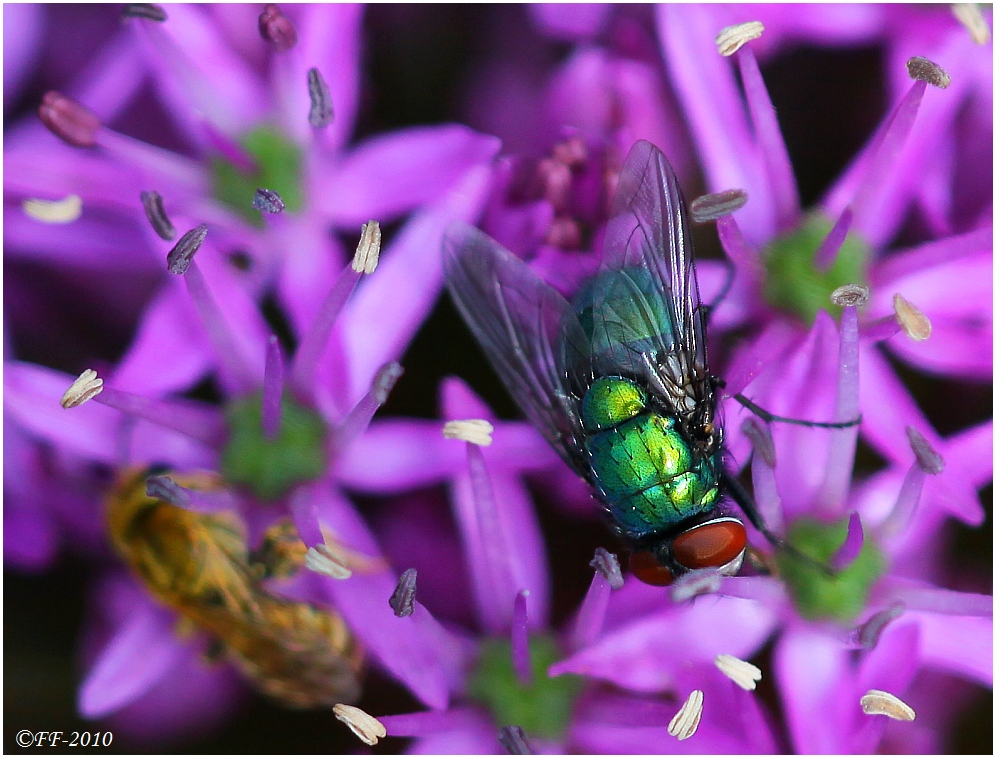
column 199, row 564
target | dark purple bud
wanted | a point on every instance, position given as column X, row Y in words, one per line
column 164, row 488
column 607, row 564
column 402, row 602
column 321, row 100
column 716, row 205
column 68, row 120
column 148, row 11
column 182, row 253
column 929, row 460
column 267, row 201
column 154, row 211
column 276, row 28
column 513, row 739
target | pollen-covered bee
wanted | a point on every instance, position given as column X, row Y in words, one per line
column 199, row 564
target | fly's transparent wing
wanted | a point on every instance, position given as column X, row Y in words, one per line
column 527, row 330
column 646, row 318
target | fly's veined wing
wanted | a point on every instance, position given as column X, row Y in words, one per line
column 646, row 295
column 526, row 329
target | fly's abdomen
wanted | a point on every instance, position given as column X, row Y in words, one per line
column 641, row 463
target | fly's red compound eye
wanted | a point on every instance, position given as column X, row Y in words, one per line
column 710, row 545
column 645, row 567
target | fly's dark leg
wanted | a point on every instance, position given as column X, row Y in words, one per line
column 768, row 416
column 742, row 498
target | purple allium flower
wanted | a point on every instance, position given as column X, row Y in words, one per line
column 501, row 679
column 241, row 106
column 242, row 111
column 790, row 367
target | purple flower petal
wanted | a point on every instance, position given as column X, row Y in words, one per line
column 572, row 22
column 425, row 664
column 141, row 652
column 170, row 352
column 329, row 39
column 632, row 655
column 199, row 75
column 386, row 310
column 712, row 103
column 961, row 645
column 393, row 173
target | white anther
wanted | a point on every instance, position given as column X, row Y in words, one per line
column 745, row 675
column 686, row 720
column 849, row 294
column 913, row 321
column 364, row 726
column 86, row 387
column 879, row 703
column 323, row 560
column 970, row 16
column 62, row 211
column 732, row 38
column 477, row 431
column 368, row 248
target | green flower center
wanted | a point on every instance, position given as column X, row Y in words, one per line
column 794, row 283
column 278, row 168
column 271, row 467
column 542, row 709
column 816, row 595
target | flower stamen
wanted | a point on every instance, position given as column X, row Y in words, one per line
column 367, row 249
column 826, row 254
column 881, row 703
column 868, row 633
column 745, row 675
column 474, row 431
column 148, row 11
column 912, row 320
column 68, row 120
column 686, row 720
column 178, row 259
column 923, row 70
column 152, row 202
column 711, row 207
column 363, row 725
column 63, row 211
column 513, row 739
column 972, row 19
column 732, row 38
column 268, row 201
column 402, row 600
column 86, row 387
column 321, row 113
column 322, row 559
column 276, row 28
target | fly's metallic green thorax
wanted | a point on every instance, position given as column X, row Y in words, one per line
column 644, row 468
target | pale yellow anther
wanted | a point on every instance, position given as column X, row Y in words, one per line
column 477, row 431
column 745, row 675
column 324, row 560
column 86, row 387
column 732, row 38
column 368, row 249
column 62, row 211
column 913, row 321
column 364, row 726
column 879, row 703
column 970, row 16
column 686, row 720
